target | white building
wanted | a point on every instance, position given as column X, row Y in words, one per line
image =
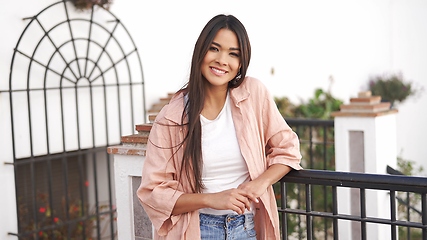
column 304, row 42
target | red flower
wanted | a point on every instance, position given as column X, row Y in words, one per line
column 55, row 219
column 42, row 209
column 40, row 233
column 75, row 209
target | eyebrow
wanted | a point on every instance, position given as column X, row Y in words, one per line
column 232, row 48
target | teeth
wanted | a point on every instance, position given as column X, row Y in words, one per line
column 218, row 71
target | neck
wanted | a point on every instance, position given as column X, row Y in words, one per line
column 214, row 102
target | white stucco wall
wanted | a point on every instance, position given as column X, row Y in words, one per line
column 304, row 41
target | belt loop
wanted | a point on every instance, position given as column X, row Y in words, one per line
column 249, row 217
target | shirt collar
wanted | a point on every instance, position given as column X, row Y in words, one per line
column 240, row 93
column 177, row 103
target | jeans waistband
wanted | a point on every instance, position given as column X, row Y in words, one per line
column 229, row 219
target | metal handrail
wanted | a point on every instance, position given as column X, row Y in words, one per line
column 359, row 180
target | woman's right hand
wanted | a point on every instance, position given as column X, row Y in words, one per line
column 232, row 199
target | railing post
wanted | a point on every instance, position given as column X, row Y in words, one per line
column 365, row 141
column 284, row 203
column 335, row 212
column 424, row 212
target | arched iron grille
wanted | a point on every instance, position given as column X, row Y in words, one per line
column 76, row 86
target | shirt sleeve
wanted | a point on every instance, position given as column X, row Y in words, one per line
column 282, row 143
column 159, row 189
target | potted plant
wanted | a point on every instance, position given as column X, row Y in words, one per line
column 392, row 88
column 88, row 4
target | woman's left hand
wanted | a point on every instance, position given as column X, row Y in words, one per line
column 258, row 186
column 254, row 189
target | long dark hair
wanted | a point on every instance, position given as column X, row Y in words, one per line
column 192, row 162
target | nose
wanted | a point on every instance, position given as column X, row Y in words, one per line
column 221, row 58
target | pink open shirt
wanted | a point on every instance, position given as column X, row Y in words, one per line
column 264, row 138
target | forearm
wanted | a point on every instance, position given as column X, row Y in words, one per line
column 232, row 199
column 259, row 185
column 189, row 202
column 273, row 174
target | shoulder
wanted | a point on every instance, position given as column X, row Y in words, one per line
column 252, row 83
column 172, row 112
column 254, row 87
column 251, row 92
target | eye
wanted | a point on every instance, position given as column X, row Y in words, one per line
column 213, row 48
column 235, row 54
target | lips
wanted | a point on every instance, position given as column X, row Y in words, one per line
column 217, row 71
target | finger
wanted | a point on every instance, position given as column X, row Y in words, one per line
column 236, row 207
column 248, row 193
column 238, row 210
column 254, row 199
column 244, row 202
column 250, row 197
column 241, row 203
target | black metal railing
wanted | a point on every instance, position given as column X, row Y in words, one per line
column 406, row 207
column 392, row 184
column 318, row 151
column 65, row 196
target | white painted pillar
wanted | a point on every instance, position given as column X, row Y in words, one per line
column 365, row 141
column 132, row 221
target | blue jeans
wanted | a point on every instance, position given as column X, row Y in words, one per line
column 227, row 227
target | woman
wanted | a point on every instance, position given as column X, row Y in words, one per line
column 216, row 149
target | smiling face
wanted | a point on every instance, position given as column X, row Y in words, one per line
column 222, row 61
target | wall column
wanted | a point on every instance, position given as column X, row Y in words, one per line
column 365, row 142
column 132, row 221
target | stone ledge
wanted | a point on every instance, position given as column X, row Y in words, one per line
column 145, row 127
column 363, row 114
column 127, row 150
column 366, row 108
column 135, row 138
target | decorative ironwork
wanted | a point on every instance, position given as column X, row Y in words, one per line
column 76, row 86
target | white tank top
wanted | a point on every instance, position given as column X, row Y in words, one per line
column 223, row 163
